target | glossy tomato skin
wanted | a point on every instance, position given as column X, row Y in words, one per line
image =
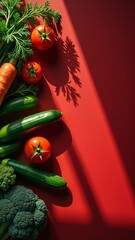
column 32, row 145
column 43, row 37
column 31, row 72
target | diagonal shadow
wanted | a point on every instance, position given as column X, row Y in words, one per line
column 63, row 58
column 97, row 229
column 109, row 52
column 70, row 59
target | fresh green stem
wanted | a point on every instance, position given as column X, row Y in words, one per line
column 26, row 18
column 5, row 236
column 13, row 61
column 3, row 229
column 1, row 45
column 2, row 52
column 8, row 18
column 4, row 55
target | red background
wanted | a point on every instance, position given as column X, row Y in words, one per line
column 89, row 76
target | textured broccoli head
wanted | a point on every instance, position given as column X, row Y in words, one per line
column 23, row 219
column 23, row 201
column 39, row 218
column 7, row 211
column 17, row 189
column 7, row 177
column 41, row 206
column 22, row 225
column 22, row 233
column 22, row 198
column 40, row 214
column 29, row 215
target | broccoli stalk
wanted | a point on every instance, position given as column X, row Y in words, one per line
column 3, row 230
column 7, row 177
column 5, row 236
column 22, row 214
column 7, row 213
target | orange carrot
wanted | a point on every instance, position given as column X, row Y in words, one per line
column 8, row 73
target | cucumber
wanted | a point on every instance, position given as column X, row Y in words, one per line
column 19, row 127
column 6, row 149
column 38, row 176
column 18, row 104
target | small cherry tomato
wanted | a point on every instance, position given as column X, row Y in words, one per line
column 37, row 149
column 43, row 37
column 31, row 72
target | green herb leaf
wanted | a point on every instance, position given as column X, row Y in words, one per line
column 14, row 32
column 20, row 88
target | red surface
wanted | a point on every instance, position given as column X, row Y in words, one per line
column 89, row 76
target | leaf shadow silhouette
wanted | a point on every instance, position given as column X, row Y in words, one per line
column 61, row 66
column 71, row 61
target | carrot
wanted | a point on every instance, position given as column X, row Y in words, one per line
column 8, row 73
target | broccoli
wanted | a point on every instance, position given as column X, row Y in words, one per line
column 7, row 210
column 22, row 214
column 7, row 177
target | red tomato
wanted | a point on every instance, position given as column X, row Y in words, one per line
column 31, row 72
column 43, row 37
column 37, row 149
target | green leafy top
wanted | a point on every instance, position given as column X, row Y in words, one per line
column 14, row 28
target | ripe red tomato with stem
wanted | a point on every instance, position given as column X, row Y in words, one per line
column 31, row 72
column 43, row 37
column 37, row 149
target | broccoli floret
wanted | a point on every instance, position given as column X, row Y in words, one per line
column 28, row 217
column 22, row 198
column 22, row 226
column 7, row 213
column 20, row 189
column 23, row 201
column 23, row 219
column 40, row 213
column 22, row 233
column 40, row 205
column 39, row 218
column 7, row 210
column 7, row 177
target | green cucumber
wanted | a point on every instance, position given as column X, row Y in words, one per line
column 8, row 148
column 17, row 104
column 19, row 127
column 38, row 176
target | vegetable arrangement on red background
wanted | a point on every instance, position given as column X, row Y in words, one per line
column 16, row 44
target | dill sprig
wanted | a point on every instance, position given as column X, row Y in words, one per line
column 20, row 88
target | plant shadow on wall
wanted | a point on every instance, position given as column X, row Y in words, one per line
column 70, row 58
column 61, row 68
